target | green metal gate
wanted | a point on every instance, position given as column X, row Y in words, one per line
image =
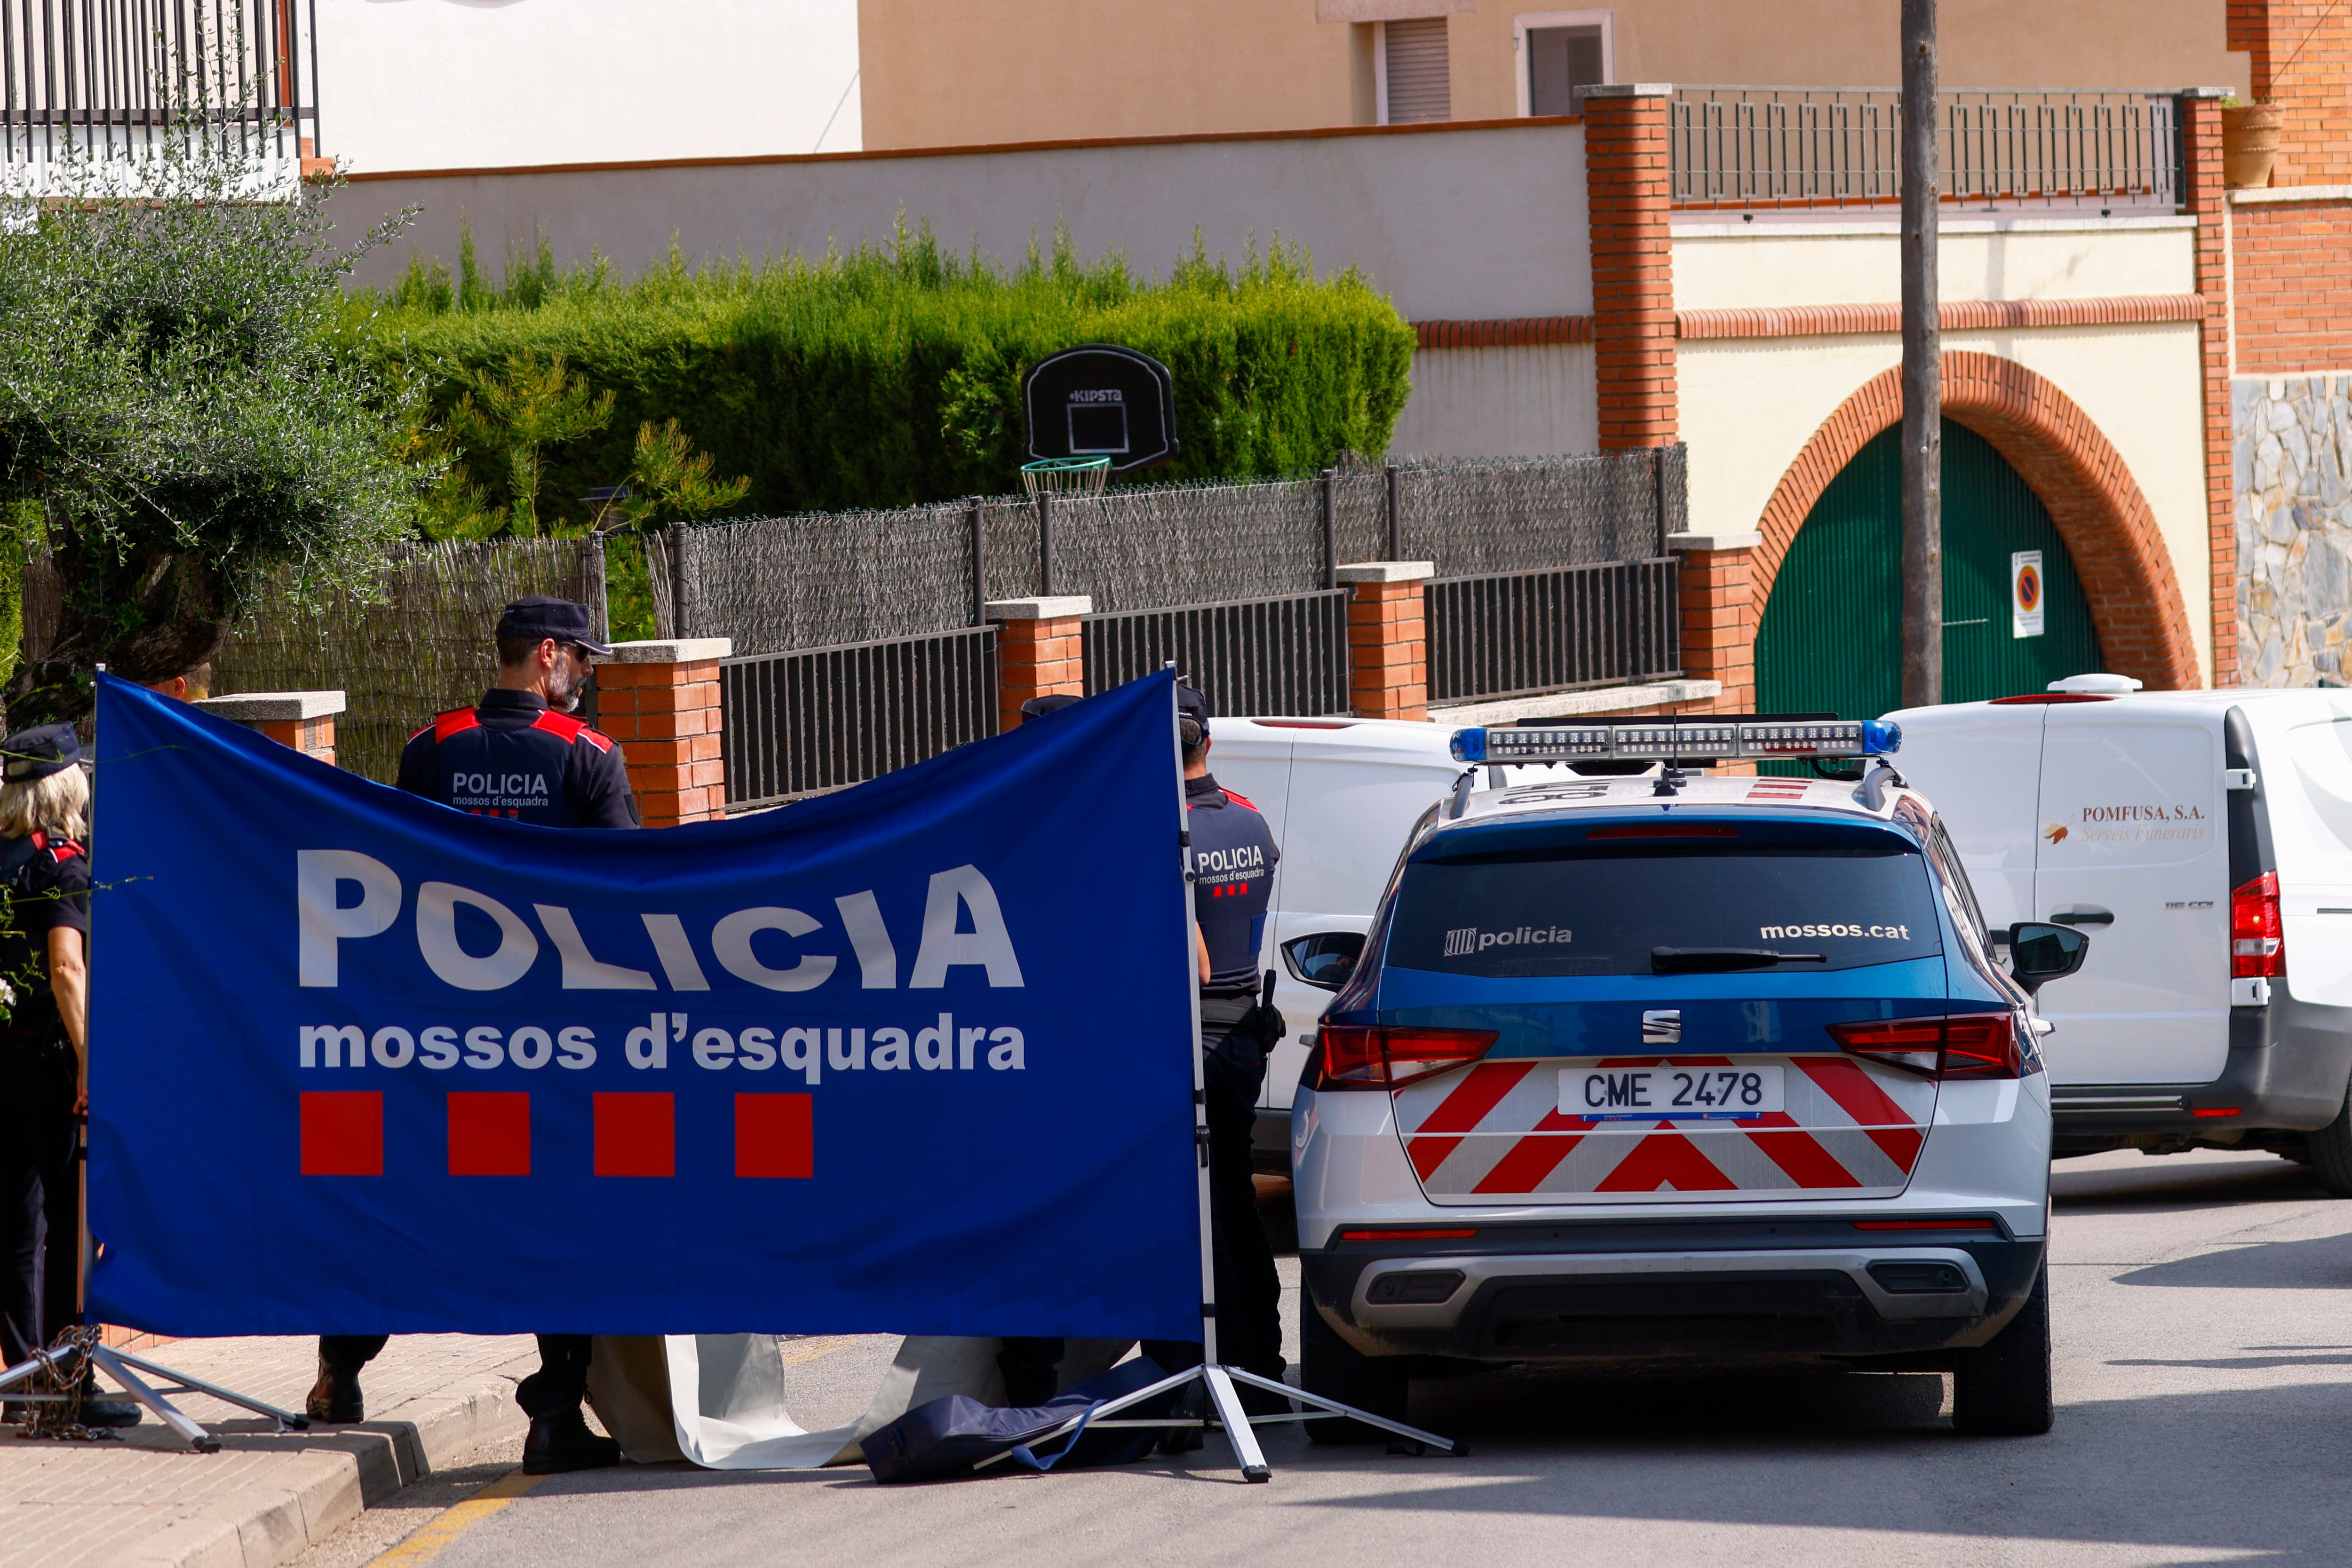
column 1831, row 638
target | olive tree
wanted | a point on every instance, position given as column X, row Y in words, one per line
column 178, row 419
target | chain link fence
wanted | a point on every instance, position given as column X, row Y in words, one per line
column 418, row 643
column 822, row 580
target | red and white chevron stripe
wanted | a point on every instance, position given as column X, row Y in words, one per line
column 1496, row 1133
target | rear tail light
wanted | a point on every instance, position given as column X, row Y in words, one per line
column 1377, row 1056
column 1964, row 1045
column 2257, row 941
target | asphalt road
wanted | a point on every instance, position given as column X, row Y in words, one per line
column 2204, row 1317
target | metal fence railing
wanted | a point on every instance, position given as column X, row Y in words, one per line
column 1520, row 633
column 1762, row 147
column 829, row 579
column 419, row 644
column 802, row 723
column 1285, row 655
column 107, row 79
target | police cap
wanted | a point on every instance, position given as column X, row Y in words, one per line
column 540, row 616
column 1052, row 702
column 36, row 753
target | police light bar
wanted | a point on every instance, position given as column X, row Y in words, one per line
column 1666, row 740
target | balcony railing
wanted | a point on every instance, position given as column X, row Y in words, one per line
column 1760, row 148
column 101, row 80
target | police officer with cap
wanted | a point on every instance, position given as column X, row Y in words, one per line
column 44, row 1045
column 1234, row 857
column 520, row 753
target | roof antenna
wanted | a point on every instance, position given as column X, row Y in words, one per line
column 1670, row 781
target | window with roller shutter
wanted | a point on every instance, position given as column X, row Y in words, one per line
column 1415, row 71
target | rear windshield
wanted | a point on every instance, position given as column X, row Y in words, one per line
column 1736, row 903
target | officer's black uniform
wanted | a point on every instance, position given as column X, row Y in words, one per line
column 509, row 755
column 1234, row 856
column 48, row 885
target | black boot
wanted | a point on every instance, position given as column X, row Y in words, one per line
column 98, row 1409
column 562, row 1442
column 336, row 1396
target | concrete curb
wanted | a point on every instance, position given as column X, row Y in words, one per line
column 271, row 1522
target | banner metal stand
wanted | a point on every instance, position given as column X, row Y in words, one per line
column 81, row 1345
column 1224, row 1403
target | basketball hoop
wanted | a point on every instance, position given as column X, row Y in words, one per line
column 1066, row 475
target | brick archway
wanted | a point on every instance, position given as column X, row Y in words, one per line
column 2119, row 553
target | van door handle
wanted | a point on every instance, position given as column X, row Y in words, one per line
column 2089, row 915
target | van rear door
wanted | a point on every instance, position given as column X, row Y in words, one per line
column 1981, row 766
column 2133, row 847
column 1356, row 791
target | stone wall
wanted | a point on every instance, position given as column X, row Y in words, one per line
column 2293, row 482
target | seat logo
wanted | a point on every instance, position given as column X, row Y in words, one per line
column 1662, row 1026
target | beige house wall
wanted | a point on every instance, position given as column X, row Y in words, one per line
column 1749, row 405
column 1021, row 70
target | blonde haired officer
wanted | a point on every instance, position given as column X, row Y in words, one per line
column 44, row 1043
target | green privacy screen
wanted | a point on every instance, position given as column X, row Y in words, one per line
column 1832, row 639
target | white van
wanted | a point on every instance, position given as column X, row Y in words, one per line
column 2205, row 837
column 1342, row 796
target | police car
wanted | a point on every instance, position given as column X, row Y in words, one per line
column 1678, row 1067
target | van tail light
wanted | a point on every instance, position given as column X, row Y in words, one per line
column 2257, row 939
column 1377, row 1056
column 1964, row 1045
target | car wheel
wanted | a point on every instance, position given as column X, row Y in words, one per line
column 2331, row 1152
column 2002, row 1388
column 1337, row 1370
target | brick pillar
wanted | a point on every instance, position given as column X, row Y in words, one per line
column 2208, row 203
column 1719, row 614
column 1387, row 638
column 1040, row 650
column 660, row 701
column 1626, row 194
column 303, row 720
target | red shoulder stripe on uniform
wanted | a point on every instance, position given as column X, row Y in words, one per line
column 596, row 738
column 62, row 851
column 563, row 726
column 1238, row 798
column 421, row 734
column 457, row 721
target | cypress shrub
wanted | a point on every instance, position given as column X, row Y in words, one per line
column 889, row 376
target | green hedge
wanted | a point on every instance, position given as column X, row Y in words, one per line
column 882, row 378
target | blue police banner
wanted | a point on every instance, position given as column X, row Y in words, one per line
column 914, row 1057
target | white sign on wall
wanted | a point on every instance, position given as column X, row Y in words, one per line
column 2026, row 591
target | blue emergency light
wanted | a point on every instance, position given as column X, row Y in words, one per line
column 1668, row 741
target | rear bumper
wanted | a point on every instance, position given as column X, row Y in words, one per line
column 1678, row 1292
column 2288, row 1067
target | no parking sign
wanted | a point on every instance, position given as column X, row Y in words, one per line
column 2026, row 592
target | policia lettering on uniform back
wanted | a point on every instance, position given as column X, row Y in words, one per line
column 519, row 754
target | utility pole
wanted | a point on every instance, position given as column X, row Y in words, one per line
column 1923, row 382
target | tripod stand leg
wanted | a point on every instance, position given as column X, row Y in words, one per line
column 198, row 1439
column 21, row 1371
column 287, row 1420
column 1410, row 1434
column 1238, row 1431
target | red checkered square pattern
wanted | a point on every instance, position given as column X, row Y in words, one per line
column 343, row 1134
column 776, row 1136
column 489, row 1134
column 637, row 1135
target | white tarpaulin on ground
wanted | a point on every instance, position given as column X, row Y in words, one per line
column 717, row 1400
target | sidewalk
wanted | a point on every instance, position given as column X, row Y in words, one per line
column 148, row 1501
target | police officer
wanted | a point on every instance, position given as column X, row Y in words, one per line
column 1234, row 857
column 518, row 753
column 44, row 1045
